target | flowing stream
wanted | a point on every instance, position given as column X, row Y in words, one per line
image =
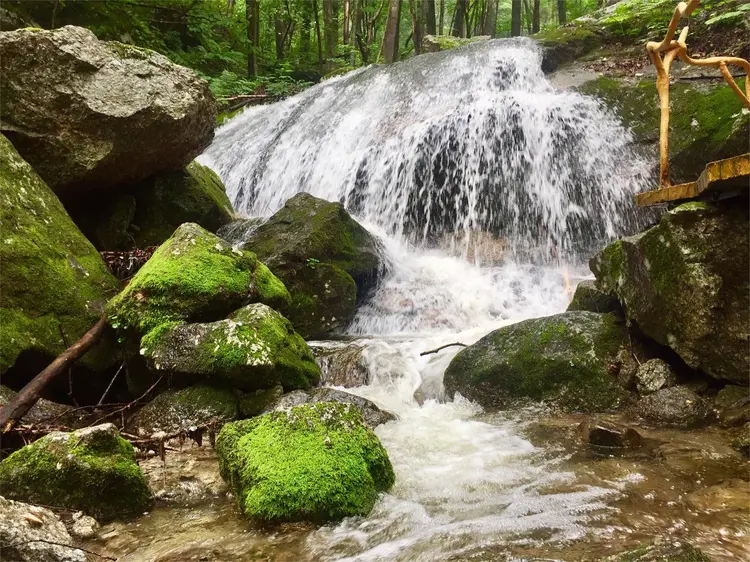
column 488, row 187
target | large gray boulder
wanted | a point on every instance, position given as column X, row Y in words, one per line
column 686, row 284
column 567, row 360
column 89, row 114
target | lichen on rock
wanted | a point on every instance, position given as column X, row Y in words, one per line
column 91, row 470
column 314, row 462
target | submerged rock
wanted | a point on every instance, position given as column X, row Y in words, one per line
column 29, row 533
column 590, row 297
column 255, row 348
column 686, row 284
column 315, row 462
column 89, row 114
column 194, row 276
column 147, row 213
column 91, row 470
column 54, row 281
column 653, row 375
column 326, row 259
column 661, row 551
column 563, row 360
column 343, row 365
column 371, row 414
column 183, row 410
column 676, row 406
column 600, row 433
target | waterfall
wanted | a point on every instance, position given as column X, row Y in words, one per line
column 446, row 149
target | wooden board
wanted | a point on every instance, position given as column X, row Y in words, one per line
column 722, row 175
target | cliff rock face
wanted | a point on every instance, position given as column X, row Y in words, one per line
column 89, row 115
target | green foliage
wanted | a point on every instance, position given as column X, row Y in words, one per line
column 729, row 17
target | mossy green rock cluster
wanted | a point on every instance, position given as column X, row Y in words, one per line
column 315, row 462
column 180, row 410
column 686, row 284
column 437, row 43
column 91, row 470
column 194, row 276
column 54, row 283
column 326, row 259
column 254, row 348
column 148, row 212
column 707, row 121
column 563, row 44
column 563, row 360
column 91, row 115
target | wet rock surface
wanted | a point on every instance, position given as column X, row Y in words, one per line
column 602, row 433
column 653, row 375
column 590, row 297
column 676, row 406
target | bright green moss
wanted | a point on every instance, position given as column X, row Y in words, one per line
column 562, row 360
column 254, row 348
column 54, row 283
column 92, row 470
column 314, row 462
column 269, row 288
column 193, row 276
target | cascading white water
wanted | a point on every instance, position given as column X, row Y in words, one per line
column 481, row 179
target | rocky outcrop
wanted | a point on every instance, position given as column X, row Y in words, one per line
column 566, row 360
column 590, row 297
column 148, row 212
column 91, row 470
column 54, row 283
column 676, row 406
column 654, row 375
column 342, row 364
column 314, row 462
column 326, row 259
column 184, row 410
column 686, row 284
column 196, row 277
column 602, row 433
column 89, row 115
column 437, row 43
column 255, row 348
column 29, row 533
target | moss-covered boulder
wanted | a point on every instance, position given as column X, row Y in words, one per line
column 564, row 360
column 588, row 296
column 564, row 44
column 255, row 348
column 89, row 115
column 437, row 43
column 54, row 283
column 314, row 462
column 326, row 259
column 707, row 121
column 686, row 284
column 194, row 276
column 91, row 470
column 182, row 410
column 256, row 403
column 148, row 212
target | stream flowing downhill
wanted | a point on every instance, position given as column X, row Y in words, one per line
column 487, row 187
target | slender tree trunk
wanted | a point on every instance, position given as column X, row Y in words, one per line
column 318, row 34
column 304, row 39
column 527, row 16
column 278, row 30
column 515, row 18
column 417, row 24
column 428, row 17
column 441, row 27
column 252, row 15
column 346, row 22
column 230, row 6
column 561, row 12
column 459, row 19
column 390, row 38
column 330, row 28
column 490, row 24
column 535, row 17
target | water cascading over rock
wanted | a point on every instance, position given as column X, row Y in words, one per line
column 440, row 147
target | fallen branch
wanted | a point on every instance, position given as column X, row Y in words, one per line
column 11, row 413
column 442, row 347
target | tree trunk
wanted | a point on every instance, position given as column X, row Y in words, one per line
column 515, row 18
column 346, row 22
column 390, row 38
column 304, row 39
column 330, row 27
column 441, row 26
column 230, row 6
column 417, row 24
column 459, row 19
column 428, row 17
column 11, row 413
column 252, row 15
column 528, row 16
column 561, row 12
column 535, row 17
column 278, row 30
column 317, row 34
column 490, row 22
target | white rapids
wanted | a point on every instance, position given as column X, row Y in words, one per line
column 483, row 181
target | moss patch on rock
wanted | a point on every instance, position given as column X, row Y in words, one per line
column 193, row 276
column 92, row 470
column 53, row 280
column 685, row 283
column 314, row 462
column 563, row 360
column 255, row 348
